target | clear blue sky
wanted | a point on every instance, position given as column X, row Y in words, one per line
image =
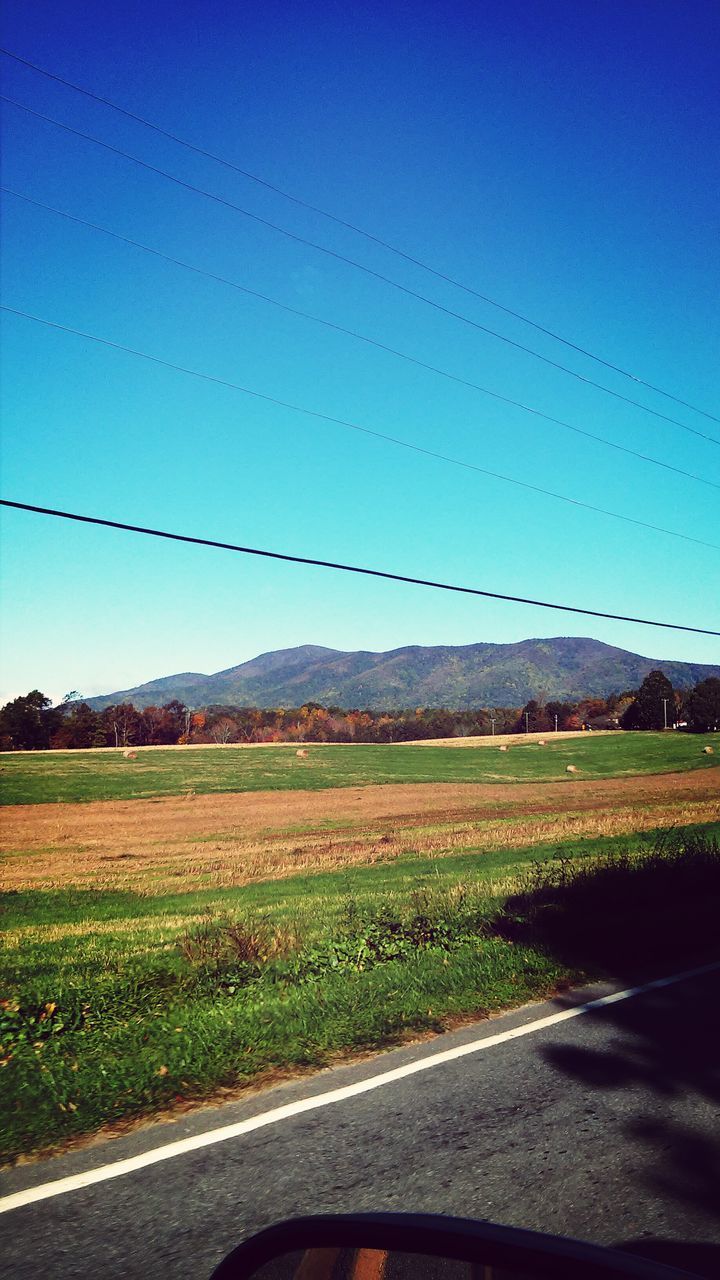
column 560, row 157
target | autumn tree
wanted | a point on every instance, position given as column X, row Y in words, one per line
column 196, row 721
column 591, row 709
column 564, row 712
column 537, row 719
column 27, row 723
column 703, row 706
column 176, row 720
column 223, row 730
column 648, row 709
column 121, row 725
column 618, row 704
column 77, row 728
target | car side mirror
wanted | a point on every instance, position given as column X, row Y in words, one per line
column 387, row 1246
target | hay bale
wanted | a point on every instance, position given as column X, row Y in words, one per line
column 301, row 755
column 503, row 747
column 709, row 751
column 129, row 755
column 542, row 743
column 571, row 768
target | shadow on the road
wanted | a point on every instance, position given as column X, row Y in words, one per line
column 630, row 924
column 698, row 1259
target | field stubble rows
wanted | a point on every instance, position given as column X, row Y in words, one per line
column 173, row 844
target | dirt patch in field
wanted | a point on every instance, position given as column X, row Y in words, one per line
column 175, row 844
column 514, row 739
column 34, row 826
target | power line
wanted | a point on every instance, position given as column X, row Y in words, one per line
column 361, row 337
column 345, row 568
column 350, row 226
column 353, row 426
column 376, row 275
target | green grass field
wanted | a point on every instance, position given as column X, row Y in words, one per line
column 80, row 776
column 313, row 902
column 120, row 1003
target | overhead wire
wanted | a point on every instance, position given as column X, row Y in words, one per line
column 353, row 426
column 364, row 338
column 350, row 226
column 369, row 271
column 345, row 568
column 361, row 337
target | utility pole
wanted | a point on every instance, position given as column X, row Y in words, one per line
column 492, row 722
column 556, row 722
column 665, row 702
column 527, row 722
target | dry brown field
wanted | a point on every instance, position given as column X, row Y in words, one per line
column 177, row 844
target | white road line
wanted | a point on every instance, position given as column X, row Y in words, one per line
column 120, row 1168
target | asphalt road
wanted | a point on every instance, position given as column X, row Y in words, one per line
column 604, row 1127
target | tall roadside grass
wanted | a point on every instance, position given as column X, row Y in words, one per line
column 237, row 996
column 625, row 910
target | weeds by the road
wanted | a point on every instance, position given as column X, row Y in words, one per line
column 624, row 909
column 103, row 1028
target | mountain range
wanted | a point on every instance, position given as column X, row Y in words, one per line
column 454, row 676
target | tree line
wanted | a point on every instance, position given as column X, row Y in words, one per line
column 32, row 722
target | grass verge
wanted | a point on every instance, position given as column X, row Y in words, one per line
column 117, row 1007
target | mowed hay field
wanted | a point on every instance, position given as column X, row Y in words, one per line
column 180, row 938
column 195, row 842
column 60, row 776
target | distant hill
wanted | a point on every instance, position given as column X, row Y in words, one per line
column 474, row 675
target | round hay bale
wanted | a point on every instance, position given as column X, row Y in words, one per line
column 129, row 755
column 503, row 747
column 709, row 751
column 301, row 755
column 571, row 768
